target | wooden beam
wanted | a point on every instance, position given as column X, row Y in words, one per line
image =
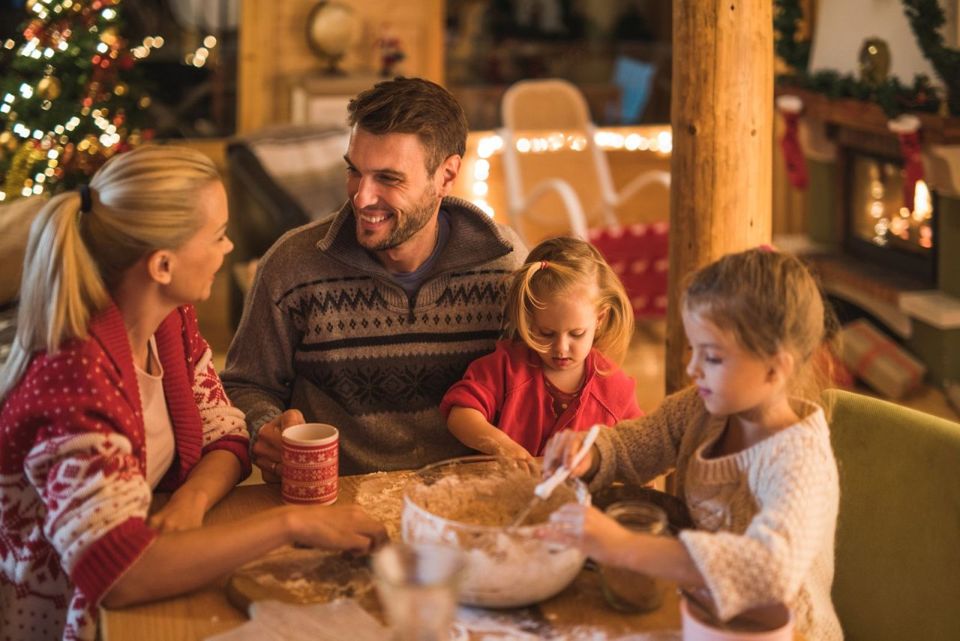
column 722, row 117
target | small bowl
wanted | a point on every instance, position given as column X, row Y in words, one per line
column 478, row 497
column 769, row 623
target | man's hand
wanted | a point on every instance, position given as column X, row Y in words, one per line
column 266, row 451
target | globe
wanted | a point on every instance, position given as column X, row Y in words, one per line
column 332, row 27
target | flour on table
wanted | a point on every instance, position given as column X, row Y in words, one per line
column 311, row 576
column 381, row 496
column 524, row 625
column 275, row 621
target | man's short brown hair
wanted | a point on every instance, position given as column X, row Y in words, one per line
column 413, row 106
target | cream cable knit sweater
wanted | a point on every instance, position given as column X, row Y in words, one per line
column 765, row 516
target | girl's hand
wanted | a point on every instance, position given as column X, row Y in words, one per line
column 509, row 448
column 562, row 448
column 593, row 532
column 345, row 527
column 184, row 511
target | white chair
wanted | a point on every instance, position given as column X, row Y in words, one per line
column 551, row 107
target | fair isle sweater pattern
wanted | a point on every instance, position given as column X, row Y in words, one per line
column 327, row 331
column 73, row 493
column 369, row 384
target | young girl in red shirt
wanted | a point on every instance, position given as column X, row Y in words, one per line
column 568, row 321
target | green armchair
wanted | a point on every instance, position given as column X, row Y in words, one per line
column 898, row 533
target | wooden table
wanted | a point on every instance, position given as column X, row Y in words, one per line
column 207, row 611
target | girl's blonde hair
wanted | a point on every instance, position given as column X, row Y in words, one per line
column 769, row 301
column 140, row 201
column 553, row 268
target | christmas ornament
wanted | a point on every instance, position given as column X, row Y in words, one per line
column 49, row 88
column 110, row 37
column 907, row 128
column 790, row 107
column 874, row 62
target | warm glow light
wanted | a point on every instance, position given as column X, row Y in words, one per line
column 661, row 143
column 484, row 206
column 922, row 204
column 481, row 169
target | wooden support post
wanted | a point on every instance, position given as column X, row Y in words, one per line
column 721, row 168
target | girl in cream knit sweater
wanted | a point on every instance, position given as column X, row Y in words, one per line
column 753, row 459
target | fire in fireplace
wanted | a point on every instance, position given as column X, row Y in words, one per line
column 880, row 229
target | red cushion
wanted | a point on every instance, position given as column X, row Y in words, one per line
column 638, row 255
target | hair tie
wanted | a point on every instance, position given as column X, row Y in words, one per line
column 543, row 264
column 86, row 202
column 767, row 248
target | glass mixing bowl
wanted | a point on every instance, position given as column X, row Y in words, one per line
column 468, row 503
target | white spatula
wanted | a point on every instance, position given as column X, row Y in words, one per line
column 545, row 488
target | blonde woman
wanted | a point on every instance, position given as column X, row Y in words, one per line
column 109, row 393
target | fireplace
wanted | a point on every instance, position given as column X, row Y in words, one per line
column 879, row 228
column 901, row 266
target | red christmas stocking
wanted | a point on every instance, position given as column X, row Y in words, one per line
column 790, row 107
column 907, row 128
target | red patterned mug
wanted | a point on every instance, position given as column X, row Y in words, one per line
column 309, row 463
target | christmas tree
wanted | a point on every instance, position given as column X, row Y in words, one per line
column 69, row 96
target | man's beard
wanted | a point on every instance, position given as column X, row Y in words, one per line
column 414, row 220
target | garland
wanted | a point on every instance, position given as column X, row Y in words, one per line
column 926, row 18
column 894, row 97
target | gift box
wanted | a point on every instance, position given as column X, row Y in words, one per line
column 880, row 362
column 638, row 254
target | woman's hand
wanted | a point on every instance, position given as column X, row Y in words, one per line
column 562, row 448
column 184, row 511
column 593, row 532
column 345, row 527
column 266, row 451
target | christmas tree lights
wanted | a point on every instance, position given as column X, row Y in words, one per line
column 69, row 96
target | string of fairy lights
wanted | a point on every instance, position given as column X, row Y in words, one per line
column 656, row 140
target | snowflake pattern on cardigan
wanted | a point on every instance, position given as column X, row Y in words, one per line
column 73, row 493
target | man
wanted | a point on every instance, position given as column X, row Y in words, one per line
column 364, row 319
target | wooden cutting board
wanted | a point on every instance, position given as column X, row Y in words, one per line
column 301, row 576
